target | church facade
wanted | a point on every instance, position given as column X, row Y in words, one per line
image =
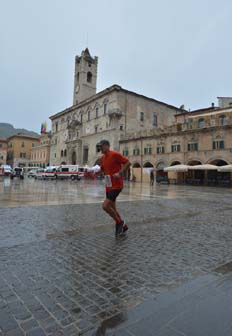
column 109, row 114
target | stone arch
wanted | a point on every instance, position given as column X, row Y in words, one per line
column 160, row 165
column 148, row 164
column 218, row 162
column 136, row 165
column 194, row 162
column 175, row 162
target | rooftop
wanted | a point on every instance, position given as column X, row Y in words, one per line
column 106, row 91
column 22, row 135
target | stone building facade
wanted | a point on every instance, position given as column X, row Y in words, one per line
column 198, row 137
column 19, row 149
column 110, row 114
column 40, row 153
column 3, row 151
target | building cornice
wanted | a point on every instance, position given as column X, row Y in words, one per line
column 174, row 133
column 106, row 91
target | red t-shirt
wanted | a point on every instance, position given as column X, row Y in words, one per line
column 111, row 163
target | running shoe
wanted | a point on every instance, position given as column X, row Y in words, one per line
column 124, row 228
column 119, row 229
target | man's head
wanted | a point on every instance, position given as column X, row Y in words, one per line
column 104, row 146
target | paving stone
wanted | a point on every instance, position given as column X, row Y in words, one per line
column 28, row 325
column 15, row 332
column 36, row 332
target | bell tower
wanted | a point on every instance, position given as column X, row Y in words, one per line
column 85, row 79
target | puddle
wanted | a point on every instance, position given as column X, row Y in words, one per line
column 111, row 323
column 224, row 269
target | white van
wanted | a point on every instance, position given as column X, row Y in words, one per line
column 68, row 172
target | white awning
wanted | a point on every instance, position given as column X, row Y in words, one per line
column 226, row 168
column 177, row 168
column 203, row 167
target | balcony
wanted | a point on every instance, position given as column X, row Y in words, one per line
column 73, row 124
column 115, row 113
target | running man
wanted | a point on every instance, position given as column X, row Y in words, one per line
column 113, row 165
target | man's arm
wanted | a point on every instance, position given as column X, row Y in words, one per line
column 124, row 168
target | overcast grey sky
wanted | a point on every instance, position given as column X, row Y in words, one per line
column 176, row 51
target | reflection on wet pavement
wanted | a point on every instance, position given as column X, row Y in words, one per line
column 63, row 273
column 30, row 192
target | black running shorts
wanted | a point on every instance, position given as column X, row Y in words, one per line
column 113, row 194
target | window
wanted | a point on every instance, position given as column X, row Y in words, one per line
column 54, row 155
column 98, row 149
column 192, row 147
column 23, row 144
column 56, row 126
column 125, row 152
column 201, row 123
column 155, row 120
column 218, row 144
column 190, row 124
column 136, row 151
column 23, row 155
column 88, row 115
column 222, row 120
column 175, row 148
column 97, row 109
column 62, row 153
column 96, row 128
column 65, row 152
column 0, row 145
column 121, row 128
column 32, row 145
column 141, row 116
column 89, row 77
column 81, row 117
column 160, row 150
column 78, row 77
column 105, row 108
column 147, row 150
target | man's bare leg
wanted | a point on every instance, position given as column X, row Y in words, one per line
column 115, row 209
column 109, row 207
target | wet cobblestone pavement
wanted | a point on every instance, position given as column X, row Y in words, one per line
column 63, row 273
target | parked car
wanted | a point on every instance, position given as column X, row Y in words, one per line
column 31, row 173
column 6, row 170
column 17, row 172
column 39, row 174
column 68, row 172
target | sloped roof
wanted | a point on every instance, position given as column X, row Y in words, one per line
column 106, row 91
